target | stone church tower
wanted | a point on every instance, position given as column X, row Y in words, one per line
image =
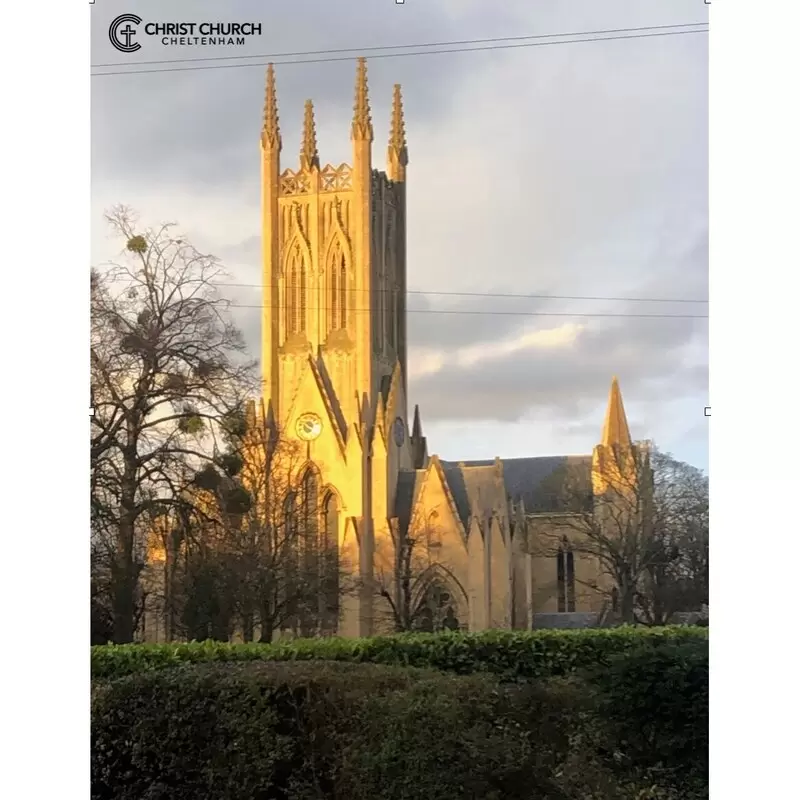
column 334, row 321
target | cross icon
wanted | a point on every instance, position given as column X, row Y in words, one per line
column 128, row 33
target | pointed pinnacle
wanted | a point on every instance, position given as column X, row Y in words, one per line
column 397, row 136
column 416, row 429
column 362, row 122
column 615, row 428
column 308, row 154
column 270, row 134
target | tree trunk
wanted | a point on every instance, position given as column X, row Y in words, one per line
column 627, row 600
column 123, row 585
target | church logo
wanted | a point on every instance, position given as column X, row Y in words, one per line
column 126, row 28
column 122, row 31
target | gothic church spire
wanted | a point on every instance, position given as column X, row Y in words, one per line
column 309, row 157
column 398, row 150
column 362, row 121
column 271, row 134
column 615, row 428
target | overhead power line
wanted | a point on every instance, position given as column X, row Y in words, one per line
column 596, row 298
column 502, row 313
column 376, row 48
column 434, row 51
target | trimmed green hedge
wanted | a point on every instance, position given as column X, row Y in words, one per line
column 634, row 729
column 324, row 730
column 508, row 654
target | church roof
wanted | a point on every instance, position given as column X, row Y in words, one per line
column 525, row 478
column 473, row 484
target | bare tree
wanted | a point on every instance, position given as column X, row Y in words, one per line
column 645, row 530
column 678, row 579
column 166, row 365
column 407, row 579
column 261, row 543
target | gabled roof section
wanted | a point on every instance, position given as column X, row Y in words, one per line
column 436, row 464
column 534, row 481
column 473, row 488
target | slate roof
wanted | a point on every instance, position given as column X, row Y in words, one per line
column 473, row 482
column 526, row 478
column 471, row 485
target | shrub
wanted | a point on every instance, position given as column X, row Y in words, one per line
column 507, row 654
column 322, row 730
column 651, row 712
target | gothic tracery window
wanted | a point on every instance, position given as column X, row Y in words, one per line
column 296, row 292
column 308, row 509
column 437, row 610
column 337, row 284
column 329, row 565
column 343, row 293
column 565, row 576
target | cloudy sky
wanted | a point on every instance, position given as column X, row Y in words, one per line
column 568, row 170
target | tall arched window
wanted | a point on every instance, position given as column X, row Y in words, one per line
column 337, row 281
column 286, row 544
column 291, row 307
column 309, row 510
column 334, row 273
column 565, row 575
column 386, row 313
column 329, row 566
column 343, row 293
column 380, row 338
column 301, row 300
column 570, row 580
column 290, row 516
column 330, row 531
column 296, row 292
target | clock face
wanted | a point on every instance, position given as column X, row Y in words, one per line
column 399, row 431
column 308, row 427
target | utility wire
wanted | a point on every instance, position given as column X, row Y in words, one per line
column 400, row 55
column 496, row 313
column 500, row 295
column 375, row 48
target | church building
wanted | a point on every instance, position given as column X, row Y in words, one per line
column 334, row 359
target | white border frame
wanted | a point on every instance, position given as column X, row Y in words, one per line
column 44, row 140
column 755, row 174
column 754, row 442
